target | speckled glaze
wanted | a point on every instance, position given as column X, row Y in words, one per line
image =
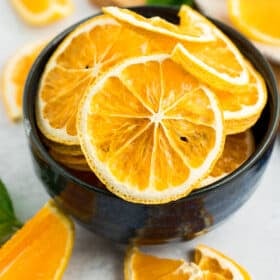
column 107, row 215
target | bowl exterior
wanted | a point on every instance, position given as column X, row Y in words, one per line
column 122, row 221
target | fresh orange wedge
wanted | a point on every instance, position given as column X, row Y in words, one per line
column 213, row 263
column 70, row 71
column 194, row 32
column 41, row 249
column 150, row 140
column 237, row 149
column 259, row 20
column 140, row 266
column 42, row 12
column 14, row 76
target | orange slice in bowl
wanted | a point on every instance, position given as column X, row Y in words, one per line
column 243, row 109
column 216, row 265
column 194, row 32
column 87, row 52
column 237, row 149
column 203, row 49
column 141, row 266
column 150, row 140
column 14, row 76
column 218, row 62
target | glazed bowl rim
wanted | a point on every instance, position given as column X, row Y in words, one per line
column 33, row 131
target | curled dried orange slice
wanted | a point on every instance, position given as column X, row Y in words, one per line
column 193, row 32
column 243, row 109
column 218, row 63
column 202, row 48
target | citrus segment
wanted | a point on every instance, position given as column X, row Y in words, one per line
column 158, row 151
column 212, row 262
column 242, row 109
column 258, row 21
column 14, row 76
column 41, row 249
column 142, row 266
column 237, row 149
column 195, row 32
column 70, row 71
column 217, row 62
column 42, row 12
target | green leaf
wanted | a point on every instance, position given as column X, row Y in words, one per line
column 169, row 2
column 6, row 229
column 8, row 221
column 6, row 206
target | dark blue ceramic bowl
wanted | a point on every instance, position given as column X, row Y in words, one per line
column 107, row 215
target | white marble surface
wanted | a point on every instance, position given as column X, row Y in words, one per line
column 251, row 236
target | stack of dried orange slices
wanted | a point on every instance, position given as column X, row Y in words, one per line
column 148, row 105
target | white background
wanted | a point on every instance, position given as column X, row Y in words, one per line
column 251, row 236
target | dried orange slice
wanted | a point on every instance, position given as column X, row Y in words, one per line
column 70, row 71
column 14, row 76
column 75, row 160
column 237, row 149
column 140, row 266
column 150, row 140
column 41, row 249
column 242, row 109
column 72, row 150
column 203, row 49
column 258, row 20
column 194, row 32
column 218, row 63
column 70, row 161
column 213, row 263
column 44, row 11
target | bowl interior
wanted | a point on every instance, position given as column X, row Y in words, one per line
column 264, row 130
